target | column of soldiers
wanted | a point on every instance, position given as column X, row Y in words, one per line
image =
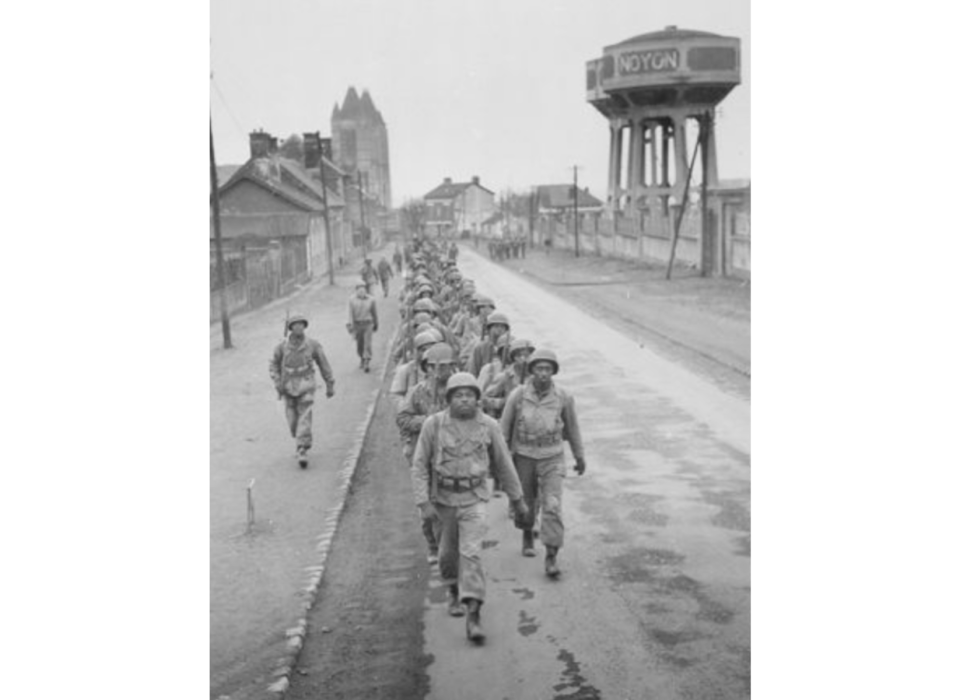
column 474, row 402
column 506, row 248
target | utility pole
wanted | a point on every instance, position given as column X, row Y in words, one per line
column 683, row 203
column 705, row 212
column 363, row 226
column 326, row 209
column 221, row 275
column 576, row 216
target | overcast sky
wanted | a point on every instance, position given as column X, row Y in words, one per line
column 493, row 88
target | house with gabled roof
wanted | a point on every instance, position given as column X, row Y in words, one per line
column 272, row 225
column 558, row 199
column 454, row 207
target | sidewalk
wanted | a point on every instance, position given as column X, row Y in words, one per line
column 708, row 315
column 262, row 581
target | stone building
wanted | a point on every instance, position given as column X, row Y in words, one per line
column 455, row 207
column 360, row 144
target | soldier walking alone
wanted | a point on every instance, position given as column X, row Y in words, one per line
column 451, row 464
column 362, row 323
column 291, row 369
column 385, row 273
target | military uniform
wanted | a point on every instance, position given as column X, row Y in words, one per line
column 362, row 322
column 451, row 465
column 535, row 426
column 426, row 398
column 292, row 371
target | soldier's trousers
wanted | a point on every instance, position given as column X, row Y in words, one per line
column 542, row 481
column 363, row 332
column 299, row 411
column 431, row 526
column 462, row 529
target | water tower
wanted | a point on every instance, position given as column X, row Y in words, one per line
column 648, row 87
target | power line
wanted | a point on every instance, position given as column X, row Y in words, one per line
column 226, row 106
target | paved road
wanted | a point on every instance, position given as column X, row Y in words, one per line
column 655, row 598
column 257, row 579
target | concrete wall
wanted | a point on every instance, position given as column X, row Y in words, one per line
column 650, row 238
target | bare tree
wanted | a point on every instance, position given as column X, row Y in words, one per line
column 413, row 215
column 292, row 148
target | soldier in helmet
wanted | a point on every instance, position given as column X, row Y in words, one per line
column 497, row 325
column 362, row 323
column 385, row 272
column 456, row 450
column 409, row 374
column 425, row 399
column 537, row 417
column 368, row 274
column 291, row 369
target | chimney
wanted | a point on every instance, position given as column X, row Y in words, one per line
column 447, row 181
column 260, row 144
column 311, row 149
column 475, row 179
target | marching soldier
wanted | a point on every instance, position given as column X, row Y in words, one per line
column 362, row 323
column 455, row 452
column 369, row 275
column 385, row 273
column 497, row 325
column 425, row 399
column 292, row 372
column 537, row 418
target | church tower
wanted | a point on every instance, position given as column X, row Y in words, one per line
column 360, row 143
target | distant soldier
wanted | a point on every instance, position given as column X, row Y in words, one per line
column 537, row 418
column 292, row 372
column 362, row 323
column 385, row 273
column 369, row 275
column 398, row 259
column 451, row 464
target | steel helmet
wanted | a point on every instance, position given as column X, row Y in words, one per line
column 425, row 338
column 421, row 317
column 297, row 318
column 498, row 317
column 543, row 356
column 481, row 300
column 439, row 354
column 518, row 345
column 460, row 380
column 424, row 305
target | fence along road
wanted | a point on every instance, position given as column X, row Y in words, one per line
column 654, row 600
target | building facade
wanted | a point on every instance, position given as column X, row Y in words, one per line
column 455, row 207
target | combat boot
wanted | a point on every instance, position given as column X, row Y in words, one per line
column 528, row 550
column 302, row 457
column 550, row 563
column 454, row 606
column 475, row 631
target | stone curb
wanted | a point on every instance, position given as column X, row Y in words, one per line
column 296, row 635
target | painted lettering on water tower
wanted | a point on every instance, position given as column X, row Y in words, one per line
column 655, row 61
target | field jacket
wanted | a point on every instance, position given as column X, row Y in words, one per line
column 454, row 458
column 536, row 426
